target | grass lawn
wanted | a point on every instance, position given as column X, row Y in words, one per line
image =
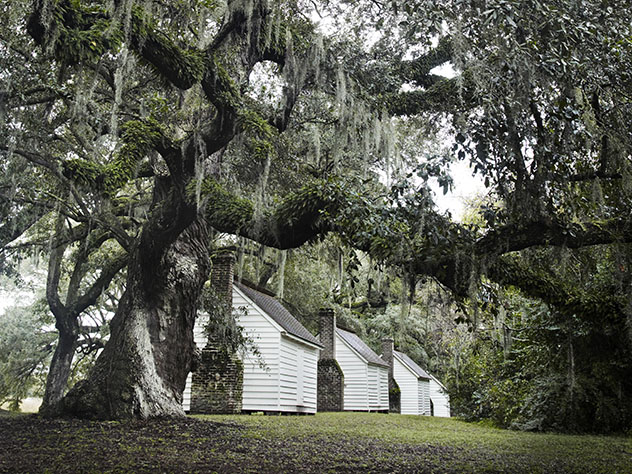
column 451, row 445
column 327, row 442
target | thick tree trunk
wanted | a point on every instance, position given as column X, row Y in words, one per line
column 59, row 373
column 142, row 370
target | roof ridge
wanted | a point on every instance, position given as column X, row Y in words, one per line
column 348, row 329
column 274, row 308
column 254, row 286
column 414, row 366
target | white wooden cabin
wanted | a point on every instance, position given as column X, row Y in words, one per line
column 365, row 374
column 414, row 385
column 439, row 398
column 282, row 377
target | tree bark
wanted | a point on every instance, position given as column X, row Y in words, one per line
column 67, row 314
column 59, row 372
column 142, row 370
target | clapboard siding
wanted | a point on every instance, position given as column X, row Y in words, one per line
column 298, row 365
column 280, row 373
column 310, row 378
column 409, row 388
column 262, row 382
column 374, row 387
column 383, row 381
column 186, row 395
column 425, row 389
column 421, row 398
column 440, row 399
column 355, row 371
column 378, row 387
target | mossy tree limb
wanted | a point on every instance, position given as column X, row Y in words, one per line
column 315, row 209
column 551, row 232
column 597, row 304
column 138, row 138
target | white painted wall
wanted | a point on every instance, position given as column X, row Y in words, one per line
column 424, row 397
column 374, row 387
column 261, row 384
column 366, row 385
column 298, row 376
column 378, row 387
column 409, row 388
column 383, row 383
column 278, row 385
column 355, row 370
column 440, row 399
column 186, row 395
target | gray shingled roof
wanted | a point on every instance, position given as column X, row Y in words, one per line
column 439, row 382
column 419, row 372
column 358, row 344
column 277, row 311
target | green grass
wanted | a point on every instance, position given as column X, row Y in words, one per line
column 324, row 443
column 499, row 449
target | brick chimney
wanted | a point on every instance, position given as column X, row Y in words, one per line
column 217, row 382
column 222, row 277
column 394, row 394
column 331, row 379
column 327, row 330
column 387, row 354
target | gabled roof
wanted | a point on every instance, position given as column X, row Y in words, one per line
column 418, row 371
column 439, row 383
column 359, row 346
column 278, row 313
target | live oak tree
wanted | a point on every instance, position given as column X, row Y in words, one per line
column 134, row 99
column 143, row 367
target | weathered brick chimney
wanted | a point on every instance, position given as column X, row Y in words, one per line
column 217, row 383
column 394, row 397
column 387, row 354
column 330, row 376
column 222, row 277
column 327, row 330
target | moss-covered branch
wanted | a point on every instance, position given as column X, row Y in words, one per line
column 77, row 33
column 417, row 71
column 225, row 211
column 444, row 95
column 550, row 232
column 596, row 304
column 302, row 216
column 138, row 139
column 181, row 66
column 74, row 32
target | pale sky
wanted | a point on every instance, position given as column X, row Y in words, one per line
column 465, row 186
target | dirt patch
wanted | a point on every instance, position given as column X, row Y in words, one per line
column 32, row 444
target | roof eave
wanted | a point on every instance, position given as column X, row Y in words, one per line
column 412, row 370
column 302, row 341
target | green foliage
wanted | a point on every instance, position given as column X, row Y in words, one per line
column 225, row 209
column 77, row 35
column 182, row 66
column 222, row 328
column 25, row 350
column 138, row 139
column 259, row 133
column 531, row 367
